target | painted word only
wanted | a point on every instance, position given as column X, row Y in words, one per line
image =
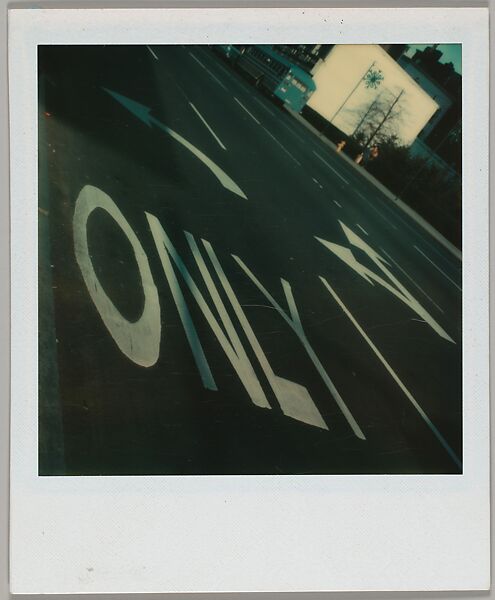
column 140, row 340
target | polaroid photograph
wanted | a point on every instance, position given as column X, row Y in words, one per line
column 249, row 300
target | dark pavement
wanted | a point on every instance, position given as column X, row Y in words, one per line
column 373, row 335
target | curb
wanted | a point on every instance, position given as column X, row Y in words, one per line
column 385, row 191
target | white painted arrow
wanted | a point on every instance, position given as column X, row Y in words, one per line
column 143, row 113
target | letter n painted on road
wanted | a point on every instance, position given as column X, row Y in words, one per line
column 294, row 399
column 230, row 343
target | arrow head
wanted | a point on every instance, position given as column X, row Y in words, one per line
column 138, row 110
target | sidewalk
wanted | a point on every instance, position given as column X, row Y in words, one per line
column 385, row 191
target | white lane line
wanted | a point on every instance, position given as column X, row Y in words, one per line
column 394, row 375
column 281, row 146
column 263, row 105
column 379, row 212
column 249, row 113
column 411, row 279
column 293, row 132
column 330, row 167
column 207, row 126
column 153, row 54
column 362, row 229
column 208, row 71
column 438, row 268
column 219, row 66
column 317, row 182
column 339, row 205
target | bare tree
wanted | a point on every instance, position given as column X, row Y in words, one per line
column 380, row 119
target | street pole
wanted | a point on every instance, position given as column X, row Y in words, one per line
column 365, row 115
column 370, row 139
column 353, row 90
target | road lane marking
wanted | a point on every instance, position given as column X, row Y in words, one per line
column 293, row 320
column 263, row 105
column 208, row 71
column 249, row 113
column 154, row 55
column 411, row 279
column 281, row 145
column 339, row 205
column 438, row 268
column 207, row 126
column 331, row 168
column 394, row 375
column 219, row 66
column 379, row 212
column 390, row 282
column 362, row 229
column 294, row 399
column 142, row 112
column 293, row 132
column 317, row 182
column 138, row 340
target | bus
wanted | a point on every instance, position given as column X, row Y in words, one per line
column 272, row 73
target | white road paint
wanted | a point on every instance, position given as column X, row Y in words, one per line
column 330, row 167
column 438, row 268
column 219, row 173
column 290, row 130
column 245, row 109
column 263, row 105
column 143, row 113
column 394, row 375
column 152, row 53
column 281, row 145
column 207, row 70
column 138, row 340
column 229, row 341
column 295, row 324
column 207, row 126
column 379, row 212
column 411, row 279
column 338, row 204
column 294, row 399
column 362, row 229
column 391, row 283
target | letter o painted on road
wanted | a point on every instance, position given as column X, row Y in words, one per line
column 139, row 341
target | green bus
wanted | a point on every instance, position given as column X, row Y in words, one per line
column 272, row 73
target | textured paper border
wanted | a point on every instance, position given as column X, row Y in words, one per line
column 270, row 533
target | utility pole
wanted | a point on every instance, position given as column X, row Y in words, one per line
column 353, row 90
column 387, row 114
column 370, row 108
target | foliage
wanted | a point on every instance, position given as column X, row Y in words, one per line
column 418, row 183
column 378, row 120
column 423, row 186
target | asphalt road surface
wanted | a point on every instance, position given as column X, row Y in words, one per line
column 220, row 292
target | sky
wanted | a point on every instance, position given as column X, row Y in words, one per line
column 451, row 53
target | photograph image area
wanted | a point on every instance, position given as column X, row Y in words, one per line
column 249, row 259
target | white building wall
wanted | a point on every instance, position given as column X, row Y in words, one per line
column 343, row 70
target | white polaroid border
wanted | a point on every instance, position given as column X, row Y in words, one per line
column 225, row 533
